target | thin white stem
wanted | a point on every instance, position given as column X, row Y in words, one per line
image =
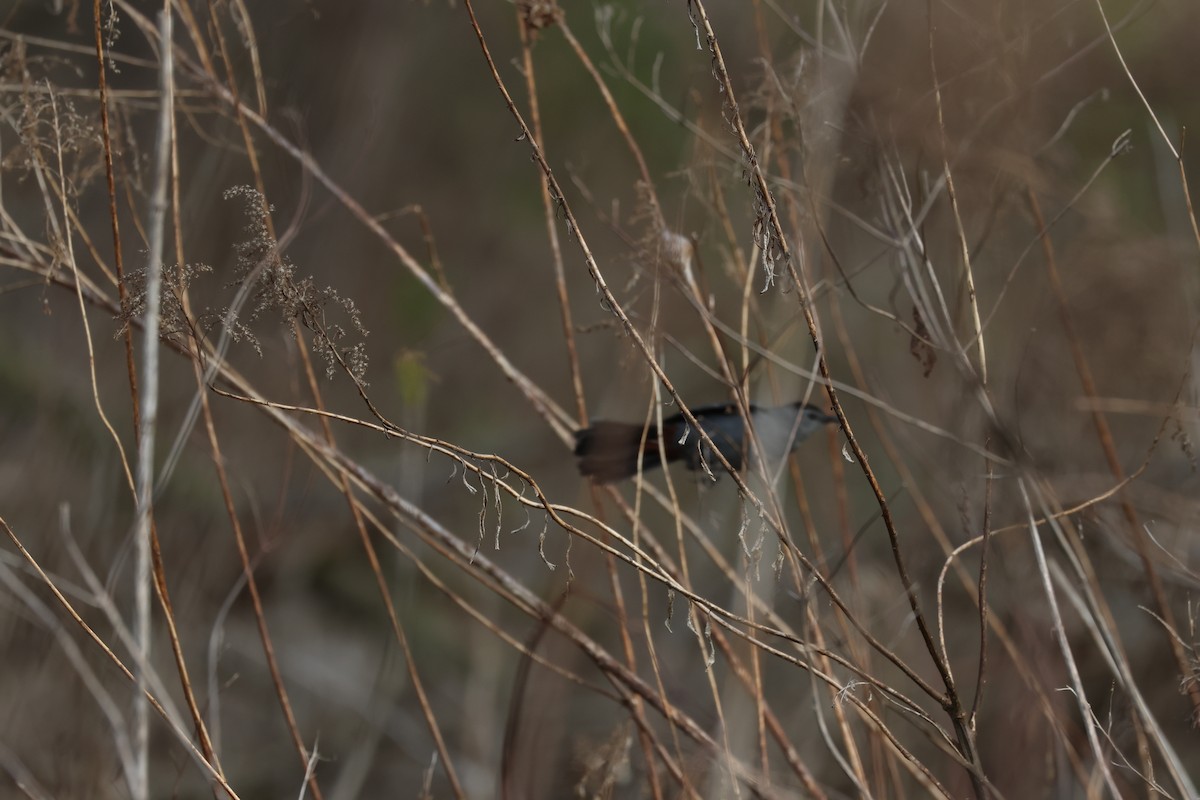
column 148, row 402
column 1086, row 716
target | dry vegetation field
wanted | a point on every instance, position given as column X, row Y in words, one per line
column 302, row 303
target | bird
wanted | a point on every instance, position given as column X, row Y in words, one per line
column 608, row 451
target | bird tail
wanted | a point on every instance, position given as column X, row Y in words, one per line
column 608, row 451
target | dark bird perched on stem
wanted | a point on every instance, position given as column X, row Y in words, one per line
column 608, row 451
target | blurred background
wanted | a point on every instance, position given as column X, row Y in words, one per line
column 994, row 240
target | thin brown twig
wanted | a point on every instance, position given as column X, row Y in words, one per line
column 264, row 634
